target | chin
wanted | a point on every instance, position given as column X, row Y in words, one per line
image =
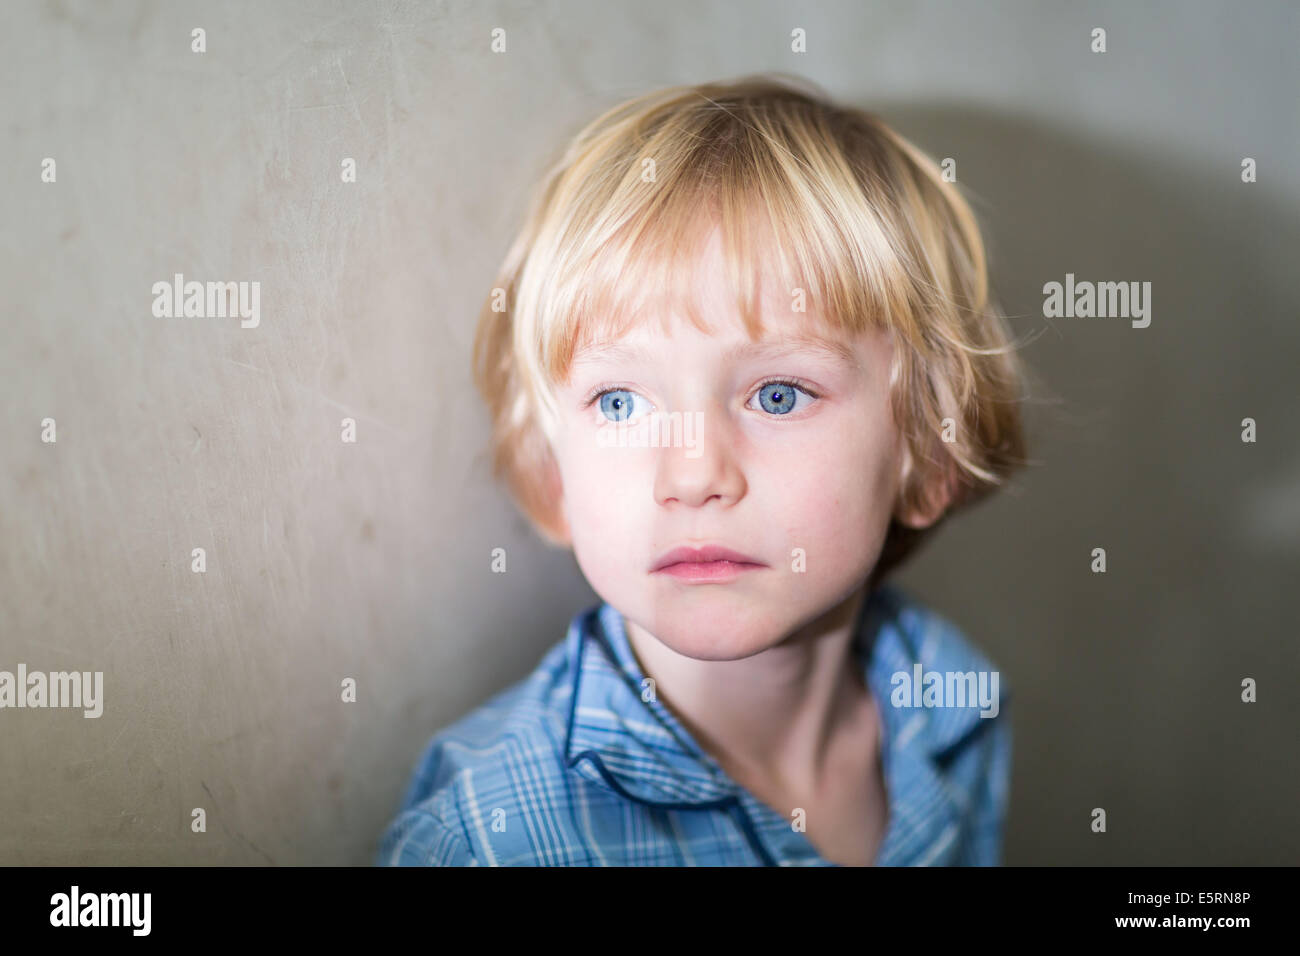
column 713, row 630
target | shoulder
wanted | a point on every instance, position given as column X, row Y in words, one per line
column 929, row 668
column 467, row 774
column 929, row 636
column 947, row 702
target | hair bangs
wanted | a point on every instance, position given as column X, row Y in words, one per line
column 631, row 254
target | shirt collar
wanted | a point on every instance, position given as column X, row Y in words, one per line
column 637, row 747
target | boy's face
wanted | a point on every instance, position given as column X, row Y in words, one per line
column 803, row 486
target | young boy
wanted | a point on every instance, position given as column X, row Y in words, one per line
column 742, row 361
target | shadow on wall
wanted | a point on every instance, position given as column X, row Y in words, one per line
column 1128, row 684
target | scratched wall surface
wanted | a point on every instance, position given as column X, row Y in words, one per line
column 325, row 559
column 328, row 560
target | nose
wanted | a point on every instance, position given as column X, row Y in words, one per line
column 707, row 473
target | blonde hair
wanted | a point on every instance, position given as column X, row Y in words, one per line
column 828, row 198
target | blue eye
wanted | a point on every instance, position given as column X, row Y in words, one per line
column 616, row 404
column 781, row 398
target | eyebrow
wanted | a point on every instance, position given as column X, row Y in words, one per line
column 802, row 343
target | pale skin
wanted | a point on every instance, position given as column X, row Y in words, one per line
column 757, row 668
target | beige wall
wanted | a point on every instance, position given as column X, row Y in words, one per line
column 369, row 560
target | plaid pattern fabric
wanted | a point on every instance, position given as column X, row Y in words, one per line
column 570, row 767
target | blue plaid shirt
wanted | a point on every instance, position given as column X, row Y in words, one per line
column 570, row 767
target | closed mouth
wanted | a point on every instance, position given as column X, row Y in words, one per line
column 724, row 558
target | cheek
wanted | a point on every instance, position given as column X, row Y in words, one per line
column 836, row 496
column 601, row 486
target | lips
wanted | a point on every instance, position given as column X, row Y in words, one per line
column 708, row 554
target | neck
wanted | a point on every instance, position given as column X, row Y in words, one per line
column 774, row 715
